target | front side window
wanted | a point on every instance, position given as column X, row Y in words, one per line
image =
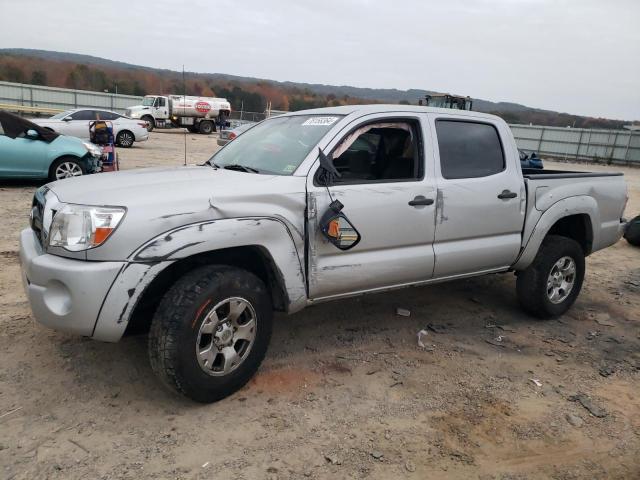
column 276, row 146
column 160, row 102
column 378, row 152
column 469, row 149
column 61, row 115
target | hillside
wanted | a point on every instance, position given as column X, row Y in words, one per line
column 86, row 72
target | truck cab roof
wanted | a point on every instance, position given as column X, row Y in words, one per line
column 360, row 110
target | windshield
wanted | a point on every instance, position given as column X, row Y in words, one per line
column 148, row 101
column 277, row 145
column 58, row 116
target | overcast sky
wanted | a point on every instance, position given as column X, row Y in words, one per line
column 576, row 56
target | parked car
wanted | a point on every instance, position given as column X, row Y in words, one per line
column 529, row 160
column 29, row 151
column 76, row 123
column 303, row 208
column 227, row 135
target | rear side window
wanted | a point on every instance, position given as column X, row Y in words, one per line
column 468, row 149
column 83, row 115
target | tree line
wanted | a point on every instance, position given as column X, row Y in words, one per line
column 249, row 95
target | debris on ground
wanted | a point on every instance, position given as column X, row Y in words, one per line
column 584, row 400
column 574, row 420
column 422, row 333
column 403, row 312
column 536, row 382
column 409, row 466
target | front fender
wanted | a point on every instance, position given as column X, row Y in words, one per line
column 149, row 260
column 272, row 234
column 533, row 237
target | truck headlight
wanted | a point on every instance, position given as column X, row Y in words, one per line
column 81, row 227
column 94, row 150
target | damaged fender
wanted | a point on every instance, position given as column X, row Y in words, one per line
column 272, row 234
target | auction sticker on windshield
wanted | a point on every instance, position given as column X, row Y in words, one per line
column 323, row 121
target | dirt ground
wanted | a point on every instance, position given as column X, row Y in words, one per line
column 345, row 391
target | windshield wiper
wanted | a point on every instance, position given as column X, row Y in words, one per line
column 241, row 168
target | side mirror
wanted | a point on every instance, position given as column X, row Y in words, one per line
column 337, row 228
column 66, row 119
column 32, row 134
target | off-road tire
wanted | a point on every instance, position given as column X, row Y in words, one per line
column 175, row 327
column 531, row 284
column 632, row 233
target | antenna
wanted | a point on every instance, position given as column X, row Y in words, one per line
column 184, row 113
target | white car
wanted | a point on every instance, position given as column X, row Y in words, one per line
column 76, row 123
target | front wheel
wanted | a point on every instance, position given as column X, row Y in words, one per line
column 211, row 332
column 66, row 167
column 151, row 124
column 551, row 284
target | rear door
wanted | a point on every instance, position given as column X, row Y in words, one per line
column 384, row 168
column 480, row 198
column 79, row 124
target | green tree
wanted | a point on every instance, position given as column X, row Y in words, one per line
column 13, row 73
column 39, row 77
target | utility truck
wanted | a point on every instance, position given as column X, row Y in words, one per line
column 303, row 208
column 197, row 114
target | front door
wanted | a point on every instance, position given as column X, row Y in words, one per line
column 481, row 198
column 388, row 195
column 160, row 108
column 22, row 157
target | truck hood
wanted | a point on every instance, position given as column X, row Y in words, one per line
column 160, row 199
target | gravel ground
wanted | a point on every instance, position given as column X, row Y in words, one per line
column 344, row 392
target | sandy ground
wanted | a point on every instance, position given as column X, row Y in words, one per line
column 345, row 392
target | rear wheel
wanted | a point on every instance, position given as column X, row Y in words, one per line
column 66, row 167
column 125, row 139
column 206, row 127
column 632, row 233
column 551, row 284
column 211, row 332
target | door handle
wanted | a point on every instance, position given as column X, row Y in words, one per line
column 421, row 200
column 507, row 194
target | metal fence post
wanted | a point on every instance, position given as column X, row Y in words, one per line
column 626, row 150
column 540, row 141
column 579, row 143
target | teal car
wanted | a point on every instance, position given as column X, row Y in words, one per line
column 28, row 151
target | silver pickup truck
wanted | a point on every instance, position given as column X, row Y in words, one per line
column 302, row 208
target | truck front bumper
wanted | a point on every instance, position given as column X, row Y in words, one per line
column 64, row 294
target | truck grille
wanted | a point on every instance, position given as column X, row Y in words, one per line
column 37, row 213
